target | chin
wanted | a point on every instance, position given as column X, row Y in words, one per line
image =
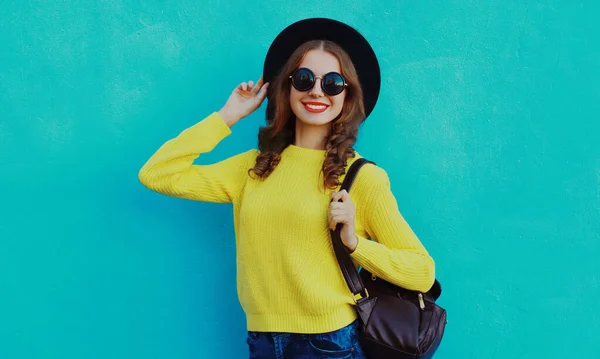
column 315, row 120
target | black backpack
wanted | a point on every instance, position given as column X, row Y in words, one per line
column 396, row 323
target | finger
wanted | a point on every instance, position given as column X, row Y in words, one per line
column 330, row 221
column 257, row 87
column 337, row 205
column 339, row 219
column 336, row 218
column 244, row 86
column 334, row 223
column 263, row 91
column 345, row 196
column 337, row 212
column 251, row 85
column 336, row 196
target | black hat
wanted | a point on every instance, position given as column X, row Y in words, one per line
column 356, row 46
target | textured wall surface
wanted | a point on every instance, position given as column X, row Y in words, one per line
column 488, row 124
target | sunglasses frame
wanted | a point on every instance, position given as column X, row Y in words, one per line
column 315, row 80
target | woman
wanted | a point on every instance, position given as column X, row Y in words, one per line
column 322, row 80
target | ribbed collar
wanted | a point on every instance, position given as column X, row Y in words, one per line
column 303, row 154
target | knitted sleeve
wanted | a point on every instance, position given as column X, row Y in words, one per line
column 171, row 171
column 395, row 254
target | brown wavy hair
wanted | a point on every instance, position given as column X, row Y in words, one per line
column 280, row 130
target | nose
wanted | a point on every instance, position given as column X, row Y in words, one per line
column 316, row 90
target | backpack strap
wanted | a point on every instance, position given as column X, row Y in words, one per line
column 345, row 261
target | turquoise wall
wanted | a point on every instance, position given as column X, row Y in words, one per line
column 487, row 124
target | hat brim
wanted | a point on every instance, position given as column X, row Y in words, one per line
column 356, row 46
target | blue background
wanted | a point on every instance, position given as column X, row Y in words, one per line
column 487, row 124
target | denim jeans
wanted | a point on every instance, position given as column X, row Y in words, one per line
column 342, row 343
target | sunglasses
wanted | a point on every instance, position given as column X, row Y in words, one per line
column 332, row 83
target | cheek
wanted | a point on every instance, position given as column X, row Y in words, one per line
column 338, row 101
column 295, row 96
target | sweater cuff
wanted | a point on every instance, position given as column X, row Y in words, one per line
column 205, row 135
column 365, row 252
column 218, row 125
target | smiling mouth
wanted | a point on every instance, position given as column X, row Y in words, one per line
column 315, row 107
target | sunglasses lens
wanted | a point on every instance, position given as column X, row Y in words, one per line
column 303, row 79
column 333, row 83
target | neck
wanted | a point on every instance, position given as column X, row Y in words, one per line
column 311, row 136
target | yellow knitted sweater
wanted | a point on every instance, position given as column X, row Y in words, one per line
column 288, row 279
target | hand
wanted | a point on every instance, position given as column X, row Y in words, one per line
column 343, row 212
column 244, row 99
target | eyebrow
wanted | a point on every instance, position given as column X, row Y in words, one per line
column 316, row 74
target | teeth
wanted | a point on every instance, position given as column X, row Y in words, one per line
column 316, row 107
